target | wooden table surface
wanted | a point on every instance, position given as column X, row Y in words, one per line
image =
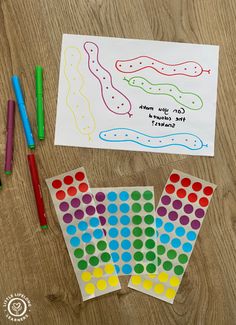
column 35, row 262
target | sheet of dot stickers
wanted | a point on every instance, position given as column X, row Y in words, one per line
column 84, row 237
column 127, row 216
column 137, row 95
column 180, row 214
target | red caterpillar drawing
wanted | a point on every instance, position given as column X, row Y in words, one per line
column 187, row 68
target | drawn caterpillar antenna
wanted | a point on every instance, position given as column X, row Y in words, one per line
column 187, row 68
column 186, row 99
column 114, row 100
column 76, row 101
column 186, row 140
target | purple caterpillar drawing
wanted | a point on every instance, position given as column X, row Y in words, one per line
column 114, row 100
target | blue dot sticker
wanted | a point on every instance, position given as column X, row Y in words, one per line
column 114, row 245
column 124, row 208
column 112, row 220
column 125, row 220
column 71, row 230
column 191, row 235
column 169, row 227
column 98, row 233
column 126, row 257
column 94, row 222
column 164, row 238
column 124, row 196
column 113, row 232
column 115, row 257
column 187, row 247
column 180, row 231
column 112, row 208
column 112, row 196
column 175, row 242
column 117, row 269
column 125, row 244
column 125, row 232
column 86, row 237
column 82, row 225
column 159, row 222
column 126, row 269
column 75, row 241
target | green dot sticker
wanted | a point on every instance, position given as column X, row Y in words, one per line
column 149, row 219
column 101, row 245
column 167, row 266
column 90, row 249
column 171, row 254
column 137, row 219
column 136, row 195
column 149, row 232
column 150, row 256
column 79, row 253
column 93, row 260
column 150, row 243
column 138, row 244
column 105, row 257
column 147, row 195
column 139, row 268
column 148, row 207
column 136, row 207
column 137, row 231
column 183, row 258
column 151, row 268
column 179, row 270
column 161, row 250
column 138, row 256
column 82, row 265
column 158, row 261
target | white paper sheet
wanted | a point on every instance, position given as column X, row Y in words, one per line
column 137, row 95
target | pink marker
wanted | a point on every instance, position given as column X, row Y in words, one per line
column 10, row 136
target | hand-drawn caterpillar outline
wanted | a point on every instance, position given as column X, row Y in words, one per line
column 187, row 68
column 167, row 89
column 114, row 99
column 82, row 114
column 186, row 140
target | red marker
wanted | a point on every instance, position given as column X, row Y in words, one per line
column 37, row 191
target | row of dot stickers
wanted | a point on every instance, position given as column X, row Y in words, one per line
column 127, row 216
column 83, row 234
column 179, row 216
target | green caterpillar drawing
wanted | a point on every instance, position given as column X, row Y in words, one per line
column 187, row 99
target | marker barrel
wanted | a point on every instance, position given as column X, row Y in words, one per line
column 37, row 190
column 10, row 136
column 39, row 101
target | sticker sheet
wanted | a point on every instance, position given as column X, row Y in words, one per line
column 179, row 216
column 127, row 217
column 137, row 95
column 84, row 237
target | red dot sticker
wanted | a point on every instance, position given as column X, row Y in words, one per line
column 71, row 190
column 208, row 190
column 192, row 197
column 203, row 202
column 174, row 178
column 56, row 183
column 185, row 182
column 170, row 188
column 68, row 180
column 83, row 187
column 197, row 186
column 181, row 193
column 60, row 195
column 79, row 176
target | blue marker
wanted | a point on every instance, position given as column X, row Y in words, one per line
column 23, row 113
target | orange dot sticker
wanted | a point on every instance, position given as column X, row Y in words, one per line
column 174, row 178
column 83, row 187
column 60, row 195
column 71, row 190
column 186, row 182
column 208, row 190
column 79, row 176
column 68, row 180
column 170, row 188
column 181, row 193
column 56, row 183
column 192, row 197
column 203, row 202
column 197, row 186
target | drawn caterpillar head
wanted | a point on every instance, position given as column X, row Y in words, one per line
column 135, row 81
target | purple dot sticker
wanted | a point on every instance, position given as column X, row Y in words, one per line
column 195, row 224
column 165, row 200
column 90, row 210
column 75, row 203
column 188, row 208
column 102, row 220
column 79, row 214
column 199, row 213
column 184, row 220
column 100, row 196
column 161, row 211
column 67, row 218
column 64, row 206
column 173, row 215
column 104, row 231
column 87, row 198
column 101, row 208
column 177, row 204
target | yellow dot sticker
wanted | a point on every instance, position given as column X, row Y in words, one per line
column 159, row 288
column 170, row 293
column 147, row 284
column 152, row 276
column 136, row 279
column 90, row 288
column 101, row 285
column 163, row 277
column 97, row 272
column 109, row 269
column 113, row 281
column 86, row 276
column 174, row 281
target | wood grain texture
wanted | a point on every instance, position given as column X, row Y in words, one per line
column 36, row 262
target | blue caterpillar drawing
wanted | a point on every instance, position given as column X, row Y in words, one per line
column 186, row 140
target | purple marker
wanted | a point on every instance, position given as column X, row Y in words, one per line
column 10, row 135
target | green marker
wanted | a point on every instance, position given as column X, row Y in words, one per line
column 39, row 101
